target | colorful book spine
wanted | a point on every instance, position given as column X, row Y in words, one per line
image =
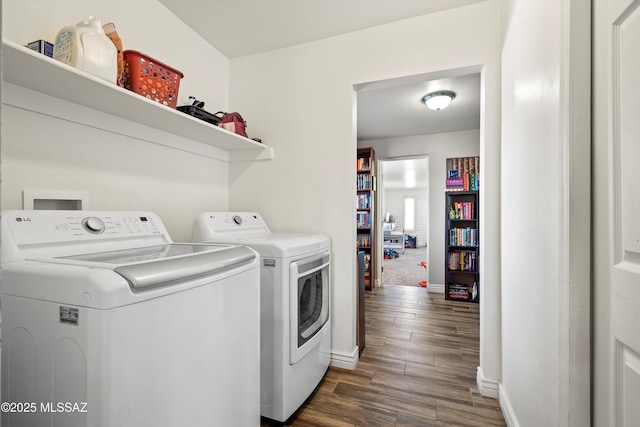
column 463, row 261
column 463, row 237
column 459, row 291
column 364, row 240
column 363, row 182
column 463, row 174
column 363, row 220
column 462, row 210
column 363, row 201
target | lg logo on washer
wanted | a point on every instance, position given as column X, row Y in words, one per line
column 19, row 219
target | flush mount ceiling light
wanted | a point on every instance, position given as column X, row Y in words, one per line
column 438, row 100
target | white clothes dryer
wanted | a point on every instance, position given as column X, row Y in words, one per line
column 295, row 311
column 107, row 322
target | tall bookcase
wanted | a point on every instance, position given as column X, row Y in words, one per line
column 462, row 237
column 365, row 214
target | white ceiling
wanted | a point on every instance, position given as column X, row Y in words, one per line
column 405, row 174
column 246, row 27
column 385, row 109
column 399, row 111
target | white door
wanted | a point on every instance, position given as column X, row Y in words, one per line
column 617, row 212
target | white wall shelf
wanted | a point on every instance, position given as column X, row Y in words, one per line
column 29, row 69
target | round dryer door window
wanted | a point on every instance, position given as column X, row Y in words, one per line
column 310, row 291
column 309, row 305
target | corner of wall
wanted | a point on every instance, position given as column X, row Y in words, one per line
column 507, row 409
column 487, row 386
column 345, row 360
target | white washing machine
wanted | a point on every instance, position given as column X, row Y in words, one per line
column 106, row 322
column 295, row 311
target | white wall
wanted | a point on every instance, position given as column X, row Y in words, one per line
column 143, row 25
column 545, row 320
column 530, row 221
column 121, row 167
column 301, row 101
column 604, row 338
column 438, row 147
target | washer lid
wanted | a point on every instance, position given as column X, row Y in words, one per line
column 159, row 265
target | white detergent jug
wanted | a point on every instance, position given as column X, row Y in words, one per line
column 86, row 47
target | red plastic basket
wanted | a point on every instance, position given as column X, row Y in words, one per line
column 151, row 78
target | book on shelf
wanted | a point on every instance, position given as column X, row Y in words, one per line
column 367, row 269
column 463, row 174
column 367, row 262
column 363, row 182
column 364, row 240
column 463, row 261
column 363, row 164
column 463, row 237
column 363, row 219
column 458, row 291
column 462, row 210
column 462, row 165
column 363, row 201
column 455, row 184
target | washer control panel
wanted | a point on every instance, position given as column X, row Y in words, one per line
column 48, row 227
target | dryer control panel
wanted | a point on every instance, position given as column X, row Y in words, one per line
column 211, row 224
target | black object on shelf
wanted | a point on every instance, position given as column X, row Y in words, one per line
column 201, row 114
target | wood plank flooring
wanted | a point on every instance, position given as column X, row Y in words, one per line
column 418, row 368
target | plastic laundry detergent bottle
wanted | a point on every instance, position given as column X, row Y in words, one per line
column 86, row 47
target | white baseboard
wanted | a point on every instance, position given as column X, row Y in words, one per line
column 507, row 409
column 435, row 288
column 345, row 360
column 487, row 386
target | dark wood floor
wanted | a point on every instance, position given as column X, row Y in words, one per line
column 418, row 368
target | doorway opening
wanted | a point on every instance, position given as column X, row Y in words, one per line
column 393, row 122
column 404, row 226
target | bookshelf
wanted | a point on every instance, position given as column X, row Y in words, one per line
column 365, row 211
column 462, row 238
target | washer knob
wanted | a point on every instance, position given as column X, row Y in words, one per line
column 237, row 219
column 93, row 225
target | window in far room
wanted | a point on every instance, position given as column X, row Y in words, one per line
column 409, row 213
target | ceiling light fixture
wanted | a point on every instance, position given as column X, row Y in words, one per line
column 438, row 100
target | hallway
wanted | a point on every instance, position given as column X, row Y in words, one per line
column 418, row 368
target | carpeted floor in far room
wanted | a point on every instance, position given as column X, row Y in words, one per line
column 406, row 269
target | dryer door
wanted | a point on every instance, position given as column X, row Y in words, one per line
column 309, row 293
